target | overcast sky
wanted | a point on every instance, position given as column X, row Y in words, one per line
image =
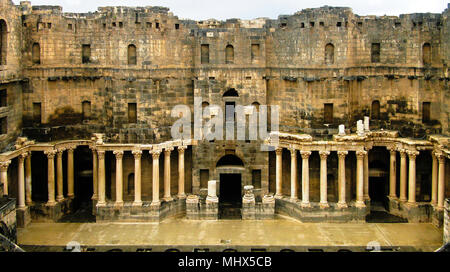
column 250, row 9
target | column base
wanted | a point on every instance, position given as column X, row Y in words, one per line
column 412, row 204
column 60, row 199
column 305, row 205
column 360, row 204
column 70, row 196
column 324, row 205
column 137, row 204
column 342, row 205
column 101, row 204
column 23, row 217
column 403, row 199
column 182, row 196
column 51, row 204
column 278, row 196
column 118, row 204
column 293, row 199
column 168, row 199
column 155, row 203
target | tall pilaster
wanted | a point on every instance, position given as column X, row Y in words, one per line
column 28, row 187
column 95, row 174
column 393, row 173
column 441, row 185
column 360, row 178
column 51, row 177
column 21, row 181
column 4, row 175
column 403, row 175
column 434, row 179
column 181, row 180
column 341, row 179
column 155, row 181
column 412, row 176
column 167, row 194
column 323, row 179
column 137, row 178
column 279, row 173
column 59, row 175
column 294, row 195
column 305, row 178
column 101, row 179
column 366, row 176
column 70, row 173
column 119, row 178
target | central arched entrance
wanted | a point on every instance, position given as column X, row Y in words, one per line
column 230, row 169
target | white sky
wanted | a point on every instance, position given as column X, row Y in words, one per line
column 250, row 9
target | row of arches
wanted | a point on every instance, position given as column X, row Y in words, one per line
column 36, row 54
column 229, row 52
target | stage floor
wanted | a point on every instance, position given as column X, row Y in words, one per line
column 242, row 235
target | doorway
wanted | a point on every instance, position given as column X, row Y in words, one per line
column 230, row 199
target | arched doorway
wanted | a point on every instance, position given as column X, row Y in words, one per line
column 230, row 188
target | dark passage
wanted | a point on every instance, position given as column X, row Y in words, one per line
column 230, row 199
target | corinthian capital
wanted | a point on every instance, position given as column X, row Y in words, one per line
column 4, row 165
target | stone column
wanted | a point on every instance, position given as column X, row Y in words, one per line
column 101, row 179
column 4, row 175
column 181, row 193
column 412, row 176
column 28, row 188
column 95, row 174
column 167, row 194
column 51, row 177
column 441, row 185
column 393, row 173
column 360, row 178
column 366, row 176
column 119, row 178
column 434, row 180
column 305, row 178
column 59, row 175
column 21, row 181
column 293, row 174
column 70, row 174
column 323, row 179
column 403, row 175
column 341, row 179
column 279, row 173
column 155, row 181
column 137, row 178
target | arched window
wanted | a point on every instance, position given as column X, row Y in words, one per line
column 376, row 110
column 130, row 184
column 230, row 160
column 256, row 105
column 3, row 42
column 132, row 57
column 36, row 53
column 231, row 93
column 329, row 54
column 229, row 54
column 86, row 105
column 426, row 54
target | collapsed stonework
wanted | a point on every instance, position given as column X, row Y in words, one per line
column 363, row 114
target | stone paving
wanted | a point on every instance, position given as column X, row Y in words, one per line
column 280, row 232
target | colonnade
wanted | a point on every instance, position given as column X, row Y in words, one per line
column 407, row 177
column 99, row 175
column 305, row 202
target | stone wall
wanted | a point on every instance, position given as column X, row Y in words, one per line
column 447, row 222
column 287, row 67
column 11, row 79
column 8, row 223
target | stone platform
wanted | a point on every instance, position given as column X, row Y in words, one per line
column 242, row 235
